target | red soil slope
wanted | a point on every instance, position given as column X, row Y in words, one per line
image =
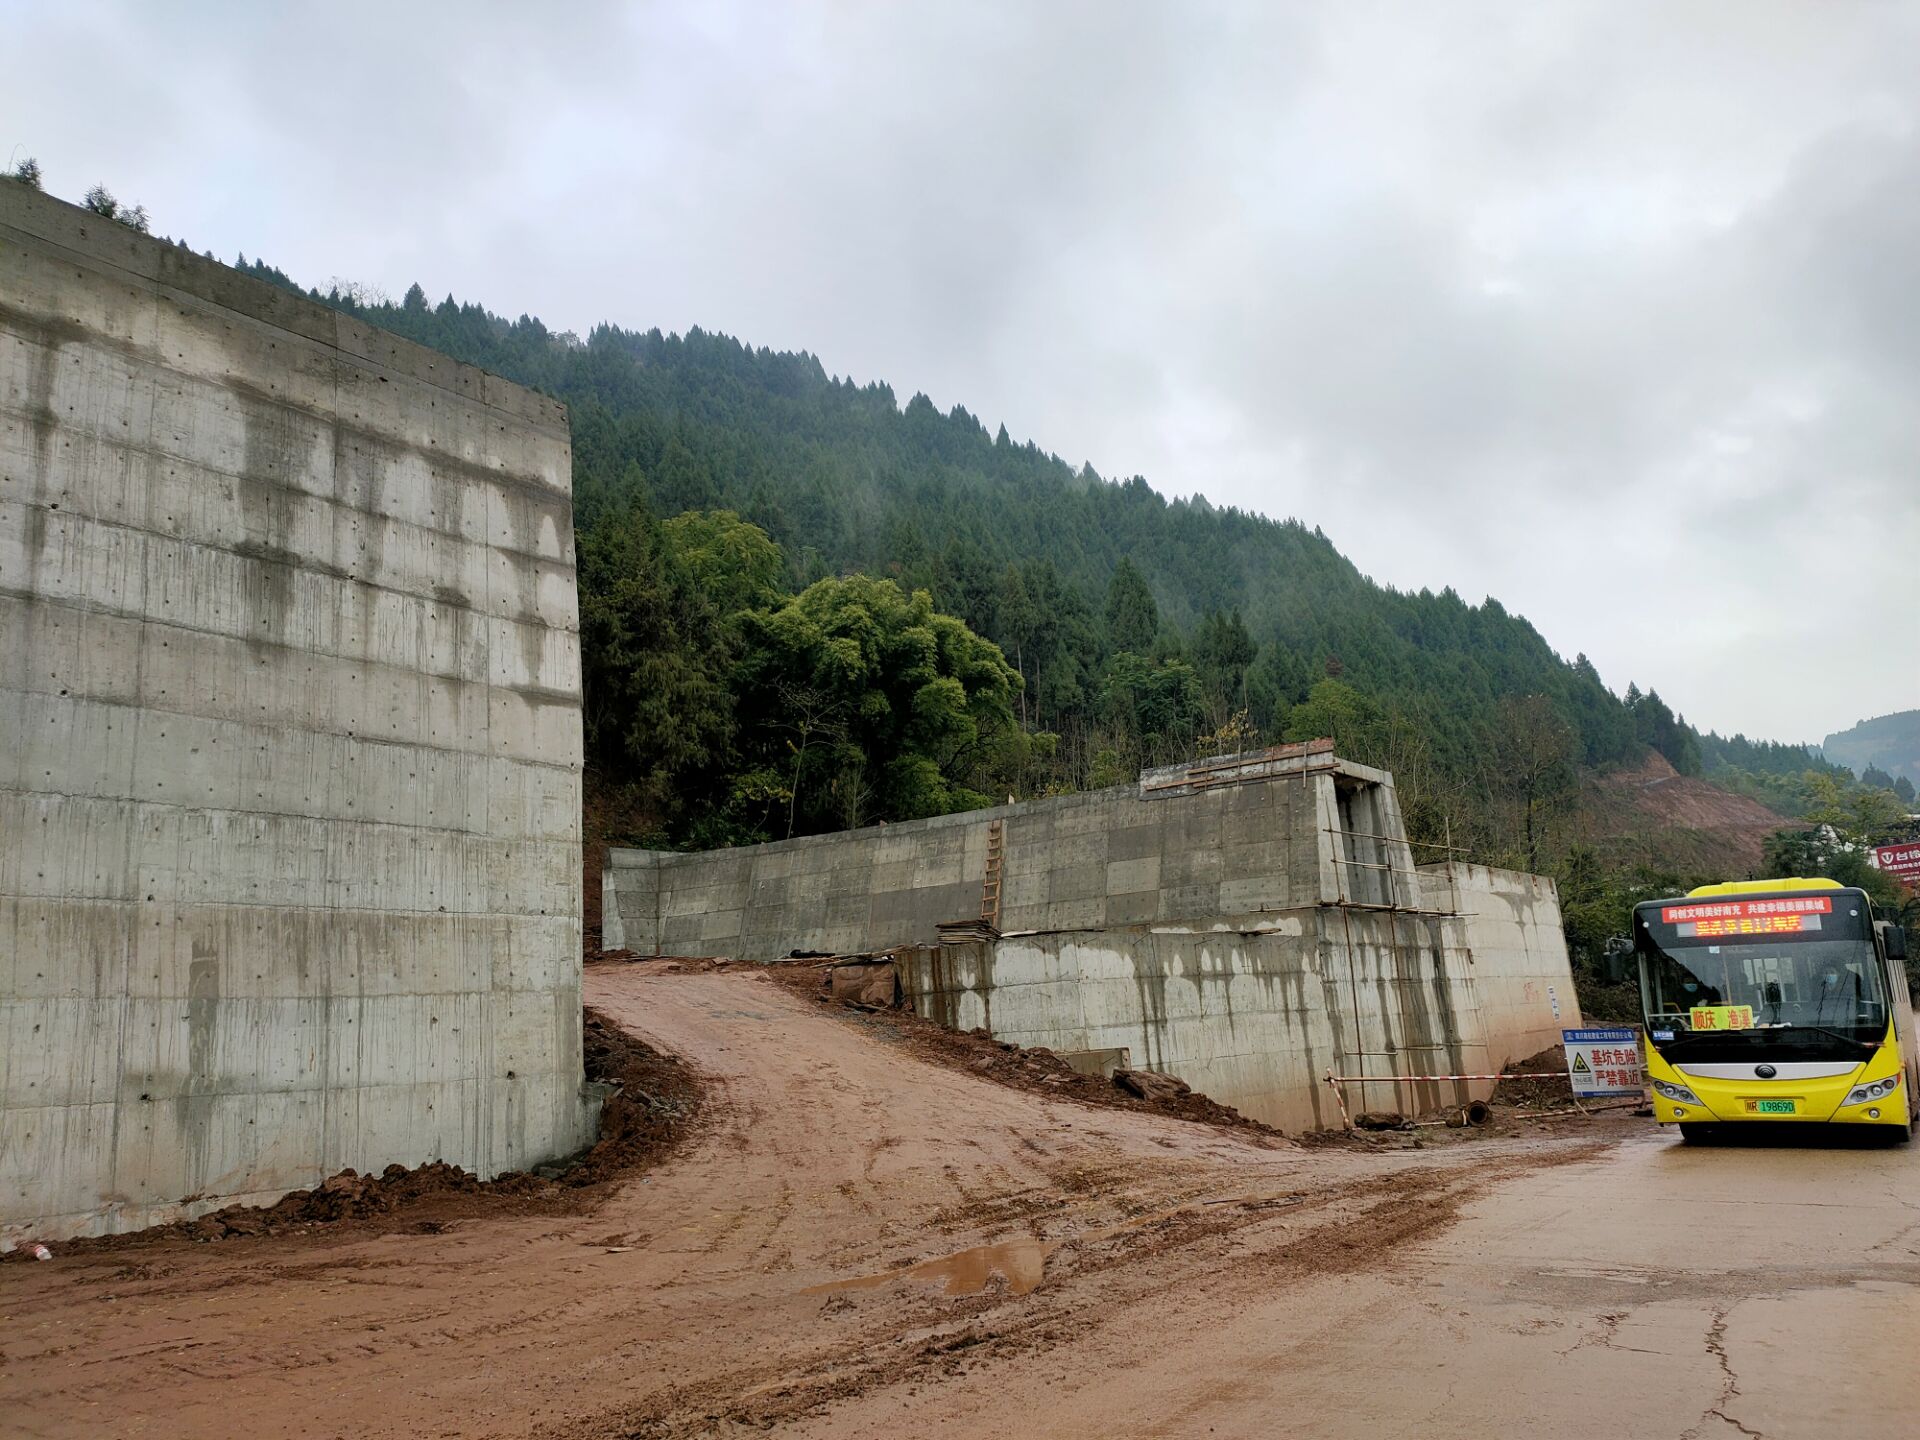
column 1685, row 821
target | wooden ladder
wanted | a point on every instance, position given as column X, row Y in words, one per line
column 990, row 888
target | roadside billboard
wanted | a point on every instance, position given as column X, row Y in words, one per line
column 1901, row 861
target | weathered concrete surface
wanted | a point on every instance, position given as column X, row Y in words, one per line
column 1256, row 1015
column 1077, row 862
column 1248, row 924
column 1508, row 924
column 289, row 743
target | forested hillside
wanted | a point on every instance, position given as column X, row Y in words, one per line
column 805, row 605
column 1884, row 750
column 1792, row 780
column 1015, row 541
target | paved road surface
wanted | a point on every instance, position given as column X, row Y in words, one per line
column 812, row 1261
column 1652, row 1290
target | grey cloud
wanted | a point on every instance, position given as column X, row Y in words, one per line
column 1607, row 310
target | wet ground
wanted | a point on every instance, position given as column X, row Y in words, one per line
column 856, row 1241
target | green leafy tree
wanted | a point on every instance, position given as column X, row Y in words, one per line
column 1823, row 853
column 1337, row 711
column 1857, row 815
column 1533, row 754
column 1016, row 623
column 1154, row 708
column 100, row 200
column 735, row 565
column 1586, row 907
column 1223, row 655
column 1876, row 815
column 1655, row 724
column 905, row 709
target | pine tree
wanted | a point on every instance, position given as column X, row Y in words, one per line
column 1133, row 619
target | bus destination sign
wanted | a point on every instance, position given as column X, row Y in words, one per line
column 1720, row 1017
column 1786, row 915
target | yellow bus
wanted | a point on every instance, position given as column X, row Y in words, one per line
column 1776, row 1000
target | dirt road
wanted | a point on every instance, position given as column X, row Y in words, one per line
column 857, row 1242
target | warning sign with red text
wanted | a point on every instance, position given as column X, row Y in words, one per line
column 1603, row 1062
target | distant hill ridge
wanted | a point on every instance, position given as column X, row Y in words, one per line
column 1890, row 743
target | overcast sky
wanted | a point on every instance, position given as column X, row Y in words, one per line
column 1609, row 310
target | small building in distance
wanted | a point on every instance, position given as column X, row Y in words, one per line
column 1248, row 924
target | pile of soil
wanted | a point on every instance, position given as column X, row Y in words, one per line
column 1605, row 1003
column 1037, row 1069
column 655, row 1105
column 1551, row 1094
column 669, row 964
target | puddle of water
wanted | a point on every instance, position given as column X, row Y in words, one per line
column 965, row 1272
column 1023, row 1262
column 1625, row 1277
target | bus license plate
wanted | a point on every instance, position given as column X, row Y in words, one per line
column 1771, row 1107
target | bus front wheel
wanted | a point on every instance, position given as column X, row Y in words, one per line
column 1698, row 1132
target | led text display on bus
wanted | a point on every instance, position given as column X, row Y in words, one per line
column 1783, row 916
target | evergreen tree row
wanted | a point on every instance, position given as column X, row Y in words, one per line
column 1060, row 567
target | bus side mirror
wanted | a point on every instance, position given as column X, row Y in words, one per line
column 1896, row 943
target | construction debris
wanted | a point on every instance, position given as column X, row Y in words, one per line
column 1150, row 1085
column 863, row 981
column 1380, row 1120
column 1538, row 1082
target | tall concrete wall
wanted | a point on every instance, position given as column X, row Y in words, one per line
column 1112, row 857
column 289, row 743
column 1247, row 925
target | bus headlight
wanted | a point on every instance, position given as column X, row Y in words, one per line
column 1676, row 1092
column 1878, row 1090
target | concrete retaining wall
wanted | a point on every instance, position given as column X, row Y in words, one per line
column 1247, row 925
column 1508, row 926
column 289, row 789
column 1111, row 857
column 1255, row 1017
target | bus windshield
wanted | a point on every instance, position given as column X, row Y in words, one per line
column 1798, row 969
